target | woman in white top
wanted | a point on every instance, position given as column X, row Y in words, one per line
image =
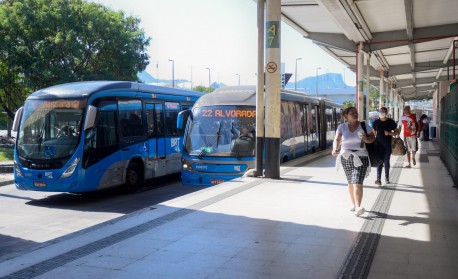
column 351, row 139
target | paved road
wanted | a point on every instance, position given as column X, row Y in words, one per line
column 29, row 219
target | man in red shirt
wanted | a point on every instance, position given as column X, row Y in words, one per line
column 411, row 131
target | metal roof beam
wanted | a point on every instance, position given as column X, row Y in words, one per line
column 415, row 89
column 419, row 81
column 396, row 38
column 419, row 67
column 409, row 82
column 332, row 40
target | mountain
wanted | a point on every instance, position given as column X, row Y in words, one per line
column 326, row 82
column 145, row 77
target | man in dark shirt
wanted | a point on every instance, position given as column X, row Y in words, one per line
column 384, row 129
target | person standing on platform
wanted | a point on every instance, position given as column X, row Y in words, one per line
column 411, row 131
column 350, row 149
column 385, row 128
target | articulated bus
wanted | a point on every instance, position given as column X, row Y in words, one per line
column 219, row 141
column 88, row 136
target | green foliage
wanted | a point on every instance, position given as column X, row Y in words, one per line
column 347, row 104
column 6, row 154
column 374, row 95
column 48, row 42
column 201, row 88
column 374, row 98
column 2, row 122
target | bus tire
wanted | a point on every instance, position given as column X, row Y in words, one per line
column 285, row 159
column 133, row 178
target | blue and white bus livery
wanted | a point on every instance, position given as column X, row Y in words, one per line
column 87, row 136
column 219, row 141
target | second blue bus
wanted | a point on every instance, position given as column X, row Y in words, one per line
column 220, row 135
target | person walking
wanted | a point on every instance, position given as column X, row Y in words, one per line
column 423, row 123
column 385, row 128
column 411, row 131
column 353, row 156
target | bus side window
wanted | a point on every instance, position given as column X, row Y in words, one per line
column 160, row 120
column 171, row 114
column 130, row 119
column 150, row 123
column 101, row 140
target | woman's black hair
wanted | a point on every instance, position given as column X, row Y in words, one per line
column 347, row 110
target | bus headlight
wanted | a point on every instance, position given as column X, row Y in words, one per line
column 18, row 169
column 185, row 166
column 69, row 171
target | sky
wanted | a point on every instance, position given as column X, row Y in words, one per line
column 220, row 35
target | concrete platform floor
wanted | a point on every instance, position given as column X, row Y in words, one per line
column 297, row 227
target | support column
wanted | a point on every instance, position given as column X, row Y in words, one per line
column 273, row 86
column 360, row 99
column 368, row 85
column 260, row 93
column 381, row 100
column 392, row 92
column 386, row 93
column 395, row 105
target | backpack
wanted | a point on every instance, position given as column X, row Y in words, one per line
column 373, row 150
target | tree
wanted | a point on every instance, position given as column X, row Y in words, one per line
column 374, row 98
column 201, row 88
column 347, row 104
column 48, row 42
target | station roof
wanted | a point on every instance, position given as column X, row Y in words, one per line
column 410, row 41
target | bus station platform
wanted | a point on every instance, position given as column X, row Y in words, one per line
column 299, row 226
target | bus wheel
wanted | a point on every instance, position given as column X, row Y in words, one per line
column 313, row 149
column 133, row 178
column 285, row 159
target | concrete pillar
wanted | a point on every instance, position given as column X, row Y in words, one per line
column 260, row 93
column 381, row 100
column 360, row 99
column 396, row 106
column 391, row 96
column 273, row 86
column 386, row 92
column 368, row 85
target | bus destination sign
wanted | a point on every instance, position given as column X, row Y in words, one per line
column 228, row 113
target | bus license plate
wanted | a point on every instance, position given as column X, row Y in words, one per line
column 216, row 181
column 39, row 184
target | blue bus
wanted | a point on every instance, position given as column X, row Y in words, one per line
column 219, row 141
column 87, row 136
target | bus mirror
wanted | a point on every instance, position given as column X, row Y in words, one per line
column 90, row 117
column 182, row 116
column 17, row 119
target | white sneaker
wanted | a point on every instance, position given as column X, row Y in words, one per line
column 360, row 211
column 352, row 208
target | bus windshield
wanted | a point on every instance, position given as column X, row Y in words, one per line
column 49, row 129
column 221, row 131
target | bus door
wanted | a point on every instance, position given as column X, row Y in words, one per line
column 174, row 137
column 156, row 135
column 313, row 128
column 305, row 127
column 319, row 126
